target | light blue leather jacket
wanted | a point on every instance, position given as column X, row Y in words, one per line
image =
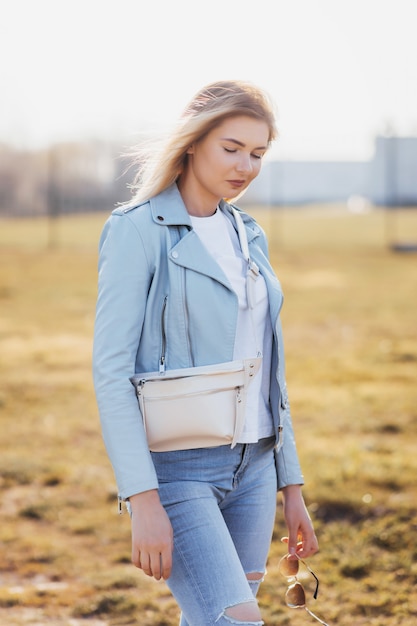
column 162, row 296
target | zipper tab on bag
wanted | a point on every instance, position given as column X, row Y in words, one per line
column 238, row 401
column 119, row 505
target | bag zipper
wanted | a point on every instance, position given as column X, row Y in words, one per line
column 191, row 394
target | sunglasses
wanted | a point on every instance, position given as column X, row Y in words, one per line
column 295, row 596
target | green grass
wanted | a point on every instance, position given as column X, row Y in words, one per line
column 351, row 344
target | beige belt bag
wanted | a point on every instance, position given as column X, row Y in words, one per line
column 196, row 407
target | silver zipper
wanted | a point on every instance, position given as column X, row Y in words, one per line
column 164, row 337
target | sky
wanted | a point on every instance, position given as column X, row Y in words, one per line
column 340, row 71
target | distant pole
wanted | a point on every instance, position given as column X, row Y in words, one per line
column 391, row 196
column 53, row 204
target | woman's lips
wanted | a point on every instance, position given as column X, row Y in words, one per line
column 236, row 183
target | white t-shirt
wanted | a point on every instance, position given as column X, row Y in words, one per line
column 221, row 240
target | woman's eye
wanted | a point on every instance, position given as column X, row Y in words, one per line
column 230, row 149
column 257, row 156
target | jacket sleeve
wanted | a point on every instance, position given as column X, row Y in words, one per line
column 124, row 277
column 288, row 465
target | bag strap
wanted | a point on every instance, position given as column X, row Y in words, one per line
column 241, row 230
column 252, row 273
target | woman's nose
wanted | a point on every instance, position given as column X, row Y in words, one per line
column 244, row 163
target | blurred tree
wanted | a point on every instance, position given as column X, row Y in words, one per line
column 65, row 178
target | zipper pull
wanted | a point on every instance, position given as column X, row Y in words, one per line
column 140, row 386
column 162, row 365
column 254, row 269
column 280, row 442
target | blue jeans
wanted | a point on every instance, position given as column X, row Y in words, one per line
column 222, row 504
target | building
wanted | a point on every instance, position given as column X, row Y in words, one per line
column 388, row 179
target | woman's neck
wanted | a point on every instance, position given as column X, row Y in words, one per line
column 196, row 203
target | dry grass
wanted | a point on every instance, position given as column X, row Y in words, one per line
column 351, row 343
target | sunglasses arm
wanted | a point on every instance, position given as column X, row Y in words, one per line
column 315, row 617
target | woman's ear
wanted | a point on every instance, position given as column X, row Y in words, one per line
column 190, row 149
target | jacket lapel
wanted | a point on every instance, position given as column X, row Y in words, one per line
column 190, row 253
column 168, row 209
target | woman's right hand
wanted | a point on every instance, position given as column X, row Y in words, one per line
column 152, row 535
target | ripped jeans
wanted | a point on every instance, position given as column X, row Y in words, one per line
column 222, row 504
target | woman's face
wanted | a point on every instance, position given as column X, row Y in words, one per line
column 227, row 159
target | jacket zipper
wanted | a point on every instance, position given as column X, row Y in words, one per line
column 188, row 335
column 162, row 360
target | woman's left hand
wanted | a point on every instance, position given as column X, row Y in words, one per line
column 301, row 538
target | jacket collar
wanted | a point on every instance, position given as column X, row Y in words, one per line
column 168, row 209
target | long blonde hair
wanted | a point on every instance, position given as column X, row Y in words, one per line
column 160, row 166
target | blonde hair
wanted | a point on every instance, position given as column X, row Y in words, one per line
column 160, row 166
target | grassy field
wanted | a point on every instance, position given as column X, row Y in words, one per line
column 350, row 325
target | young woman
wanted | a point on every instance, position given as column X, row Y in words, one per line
column 202, row 519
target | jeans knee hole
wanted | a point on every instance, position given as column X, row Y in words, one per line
column 244, row 613
column 255, row 577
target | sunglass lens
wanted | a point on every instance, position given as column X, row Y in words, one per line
column 287, row 567
column 295, row 596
